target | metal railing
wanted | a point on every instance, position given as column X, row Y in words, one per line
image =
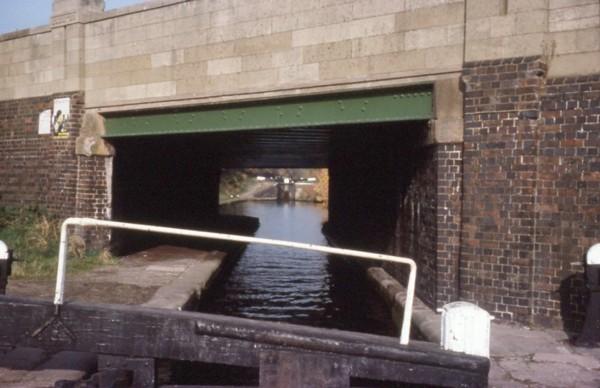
column 63, row 249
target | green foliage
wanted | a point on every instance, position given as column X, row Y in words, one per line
column 33, row 235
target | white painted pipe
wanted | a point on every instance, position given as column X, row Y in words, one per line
column 63, row 249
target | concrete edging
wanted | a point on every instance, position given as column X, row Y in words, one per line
column 189, row 285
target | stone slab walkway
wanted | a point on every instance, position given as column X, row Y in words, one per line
column 135, row 279
column 519, row 356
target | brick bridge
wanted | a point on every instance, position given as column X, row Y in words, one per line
column 463, row 133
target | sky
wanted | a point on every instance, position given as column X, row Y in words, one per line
column 19, row 14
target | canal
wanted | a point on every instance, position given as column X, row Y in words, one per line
column 297, row 286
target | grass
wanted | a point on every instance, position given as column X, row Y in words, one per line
column 33, row 235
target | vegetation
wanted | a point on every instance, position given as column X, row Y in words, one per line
column 33, row 235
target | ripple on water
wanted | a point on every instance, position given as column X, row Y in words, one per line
column 291, row 285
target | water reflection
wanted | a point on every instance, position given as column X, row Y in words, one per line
column 297, row 286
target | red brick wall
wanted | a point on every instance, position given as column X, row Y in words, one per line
column 44, row 171
column 449, row 194
column 531, row 189
column 416, row 231
column 428, row 228
column 37, row 170
column 568, row 190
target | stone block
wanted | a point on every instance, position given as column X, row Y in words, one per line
column 397, row 62
column 207, row 6
column 483, row 49
column 338, row 32
column 324, row 16
column 444, row 57
column 576, row 24
column 248, row 11
column 523, row 45
column 132, row 92
column 563, row 42
column 222, row 18
column 448, row 99
column 484, row 8
column 574, row 64
column 239, row 31
column 442, row 15
column 376, row 45
column 258, row 79
column 219, row 83
column 191, row 86
column 189, row 70
column 257, row 62
column 531, row 22
column 42, row 76
column 213, row 51
column 588, row 39
column 432, row 37
column 147, row 76
column 262, row 44
column 519, row 6
column 299, row 73
column 344, row 69
column 162, row 59
column 368, row 8
column 416, row 4
column 286, row 23
column 305, row 5
column 327, row 51
column 287, row 58
column 574, row 12
column 503, row 25
column 160, row 89
column 553, row 4
column 190, row 39
column 224, row 66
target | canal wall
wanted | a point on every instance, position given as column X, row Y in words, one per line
column 501, row 202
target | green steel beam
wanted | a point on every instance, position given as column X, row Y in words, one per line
column 368, row 107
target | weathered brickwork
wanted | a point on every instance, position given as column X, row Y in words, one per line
column 501, row 112
column 428, row 228
column 531, row 189
column 568, row 197
column 449, row 173
column 37, row 170
column 416, row 231
column 43, row 170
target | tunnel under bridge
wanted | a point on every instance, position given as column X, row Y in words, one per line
column 388, row 178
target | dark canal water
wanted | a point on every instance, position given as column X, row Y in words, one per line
column 297, row 286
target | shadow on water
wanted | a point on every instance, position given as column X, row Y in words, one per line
column 288, row 285
column 297, row 286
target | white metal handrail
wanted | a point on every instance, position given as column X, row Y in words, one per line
column 63, row 249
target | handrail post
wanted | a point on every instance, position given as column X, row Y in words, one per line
column 63, row 250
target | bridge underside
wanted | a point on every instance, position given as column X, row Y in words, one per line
column 384, row 179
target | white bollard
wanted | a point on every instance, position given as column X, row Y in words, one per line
column 4, row 254
column 466, row 328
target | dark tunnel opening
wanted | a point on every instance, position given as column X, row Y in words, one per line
column 382, row 183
